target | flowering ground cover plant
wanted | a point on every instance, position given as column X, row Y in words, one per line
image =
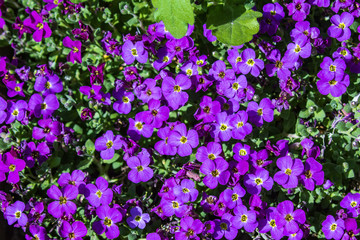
column 179, row 119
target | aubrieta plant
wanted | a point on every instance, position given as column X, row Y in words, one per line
column 169, row 119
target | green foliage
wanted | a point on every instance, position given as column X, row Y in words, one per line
column 233, row 25
column 176, row 15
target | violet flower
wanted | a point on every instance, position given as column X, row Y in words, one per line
column 299, row 9
column 340, row 28
column 12, row 166
column 77, row 230
column 49, row 129
column 75, row 53
column 140, row 172
column 109, row 217
column 184, row 140
column 290, row 218
column 333, row 228
column 131, row 51
column 62, row 205
column 313, row 174
column 45, row 106
column 189, row 228
column 173, row 90
column 16, row 111
column 250, row 63
column 41, row 28
column 99, row 194
column 244, row 218
column 258, row 113
column 48, row 84
column 212, row 151
column 15, row 213
column 186, row 191
column 258, row 180
column 107, row 144
column 137, row 218
column 290, row 170
column 216, row 172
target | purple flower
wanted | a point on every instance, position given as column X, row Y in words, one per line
column 216, row 172
column 250, row 63
column 255, row 182
column 45, row 106
column 62, row 204
column 173, row 90
column 208, row 34
column 140, row 126
column 137, row 218
column 233, row 197
column 163, row 147
column 157, row 113
column 23, row 73
column 16, row 111
column 225, row 227
column 341, row 4
column 186, row 191
column 51, row 4
column 221, row 128
column 12, row 166
column 171, row 207
column 332, row 69
column 92, row 92
column 165, row 57
column 37, row 232
column 35, row 22
column 333, row 228
column 313, row 174
column 235, row 88
column 123, row 105
column 299, row 9
column 260, row 112
column 131, row 51
column 99, row 194
column 351, row 202
column 290, row 170
column 49, row 130
column 340, row 28
column 48, row 84
column 75, row 53
column 321, row 3
column 184, row 140
column 244, row 218
column 290, row 218
column 189, row 228
column 242, row 152
column 21, row 27
column 35, row 153
column 149, row 91
column 207, row 110
column 351, row 229
column 76, row 178
column 300, row 48
column 107, row 144
column 279, row 65
column 15, row 89
column 302, row 29
column 212, row 151
column 14, row 213
column 3, row 107
column 220, row 73
column 140, row 172
column 77, row 230
column 272, row 223
column 109, row 217
column 336, row 87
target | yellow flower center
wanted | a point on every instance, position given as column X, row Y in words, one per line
column 75, row 49
column 183, row 139
column 332, row 68
column 308, row 174
column 260, row 112
column 250, row 62
column 18, row 214
column 15, row 112
column 297, row 48
column 109, row 144
column 71, row 235
column 240, row 124
column 353, row 204
column 138, row 218
column 333, row 227
column 139, row 125
column 223, row 226
column 238, row 59
column 333, row 82
column 134, row 52
column 288, row 217
column 47, row 85
column 175, row 204
column 223, row 127
column 242, row 152
column 43, row 106
column 62, row 200
column 343, row 52
column 40, row 26
column 125, row 99
column 12, row 167
column 139, row 168
column 234, row 197
column 177, row 88
column 185, row 190
column 17, row 89
column 189, row 72
column 211, row 156
column 221, row 74
column 342, row 25
column 107, row 221
column 244, row 218
column 258, row 181
column 288, row 171
column 98, row 193
column 215, row 173
column 165, row 59
column 272, row 223
column 235, row 86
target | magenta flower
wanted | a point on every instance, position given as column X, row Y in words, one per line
column 149, row 91
column 3, row 107
column 212, row 151
column 51, row 4
column 220, row 73
column 173, row 90
column 45, row 106
column 242, row 152
column 299, row 9
column 49, row 129
column 123, row 103
column 35, row 153
column 137, row 218
column 75, row 53
column 157, row 113
column 290, row 170
column 279, row 65
column 15, row 89
column 216, row 172
column 340, row 28
column 189, row 228
column 336, row 87
column 250, row 63
column 163, row 147
column 351, row 229
column 244, row 218
column 272, row 223
column 258, row 180
column 300, row 48
column 184, row 140
column 62, row 204
column 97, row 75
column 99, row 194
column 77, row 230
column 12, row 166
column 258, row 113
column 207, row 110
column 37, row 232
column 241, row 128
column 290, row 218
column 171, row 207
column 16, row 111
column 208, row 34
column 140, row 172
column 41, row 28
column 131, row 51
column 76, row 178
column 313, row 174
column 15, row 213
column 333, row 228
column 109, row 217
column 107, row 144
column 302, row 29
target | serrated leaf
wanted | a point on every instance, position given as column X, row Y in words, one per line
column 233, row 25
column 176, row 15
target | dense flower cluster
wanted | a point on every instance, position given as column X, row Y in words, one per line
column 185, row 128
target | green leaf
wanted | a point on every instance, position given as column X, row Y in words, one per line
column 304, row 114
column 176, row 15
column 90, row 147
column 233, row 25
column 320, row 115
column 78, row 1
